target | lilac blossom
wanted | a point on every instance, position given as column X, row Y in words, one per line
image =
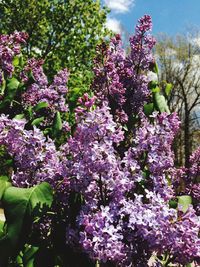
column 39, row 91
column 10, row 46
column 152, row 152
column 35, row 158
column 122, row 79
column 186, row 180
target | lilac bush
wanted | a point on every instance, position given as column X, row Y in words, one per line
column 118, row 196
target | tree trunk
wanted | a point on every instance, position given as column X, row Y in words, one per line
column 187, row 138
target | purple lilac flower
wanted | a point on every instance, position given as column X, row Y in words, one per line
column 34, row 67
column 152, row 151
column 165, row 229
column 86, row 104
column 94, row 164
column 54, row 95
column 101, row 239
column 35, row 158
column 186, row 180
column 122, row 79
column 10, row 46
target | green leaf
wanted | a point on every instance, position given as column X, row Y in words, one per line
column 4, row 184
column 57, row 124
column 155, row 68
column 29, row 255
column 168, row 88
column 184, row 201
column 160, row 103
column 3, row 87
column 148, row 109
column 155, row 89
column 37, row 121
column 11, row 88
column 19, row 116
column 16, row 61
column 19, row 204
column 173, row 204
column 153, row 86
column 1, row 228
column 12, row 84
column 75, row 94
column 41, row 105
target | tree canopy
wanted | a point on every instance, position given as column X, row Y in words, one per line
column 63, row 32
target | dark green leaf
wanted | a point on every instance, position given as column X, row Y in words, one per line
column 11, row 88
column 173, row 204
column 12, row 84
column 37, row 121
column 4, row 184
column 148, row 108
column 41, row 105
column 19, row 204
column 28, row 256
column 57, row 124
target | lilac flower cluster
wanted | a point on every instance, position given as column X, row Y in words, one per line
column 187, row 180
column 10, row 46
column 166, row 230
column 34, row 67
column 85, row 104
column 35, row 158
column 93, row 158
column 39, row 91
column 122, row 79
column 152, row 152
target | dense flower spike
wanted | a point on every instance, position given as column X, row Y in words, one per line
column 121, row 79
column 39, row 91
column 93, row 160
column 152, row 151
column 10, row 46
column 186, row 180
column 35, row 158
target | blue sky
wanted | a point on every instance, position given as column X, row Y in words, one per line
column 169, row 16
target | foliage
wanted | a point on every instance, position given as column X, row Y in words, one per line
column 64, row 33
column 89, row 179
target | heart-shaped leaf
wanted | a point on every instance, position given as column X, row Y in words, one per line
column 184, row 201
column 19, row 204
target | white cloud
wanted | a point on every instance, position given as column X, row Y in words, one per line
column 119, row 6
column 114, row 25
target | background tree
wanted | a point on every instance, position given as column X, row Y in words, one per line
column 64, row 33
column 179, row 60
